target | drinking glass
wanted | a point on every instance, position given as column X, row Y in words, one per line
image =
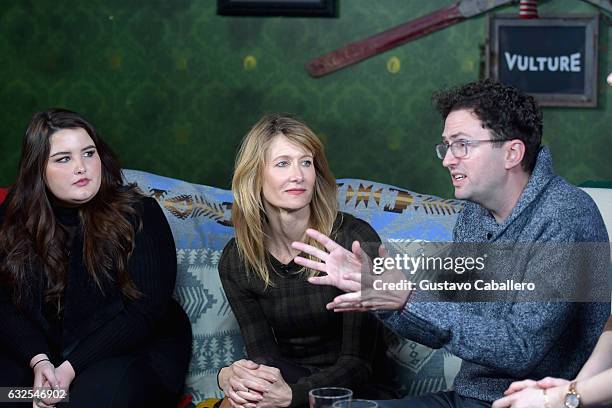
column 325, row 397
column 355, row 403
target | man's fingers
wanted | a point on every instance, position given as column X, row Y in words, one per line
column 348, row 302
column 349, row 309
column 322, row 239
column 347, row 286
column 311, row 250
column 346, row 306
column 361, row 257
column 382, row 251
column 309, row 263
column 350, row 286
column 353, row 297
column 352, row 276
column 359, row 253
column 320, row 280
column 359, row 307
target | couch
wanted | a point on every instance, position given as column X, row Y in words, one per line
column 200, row 219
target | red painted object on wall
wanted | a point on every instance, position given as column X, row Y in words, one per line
column 528, row 9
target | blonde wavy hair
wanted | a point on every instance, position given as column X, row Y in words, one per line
column 248, row 213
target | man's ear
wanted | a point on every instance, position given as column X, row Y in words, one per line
column 514, row 153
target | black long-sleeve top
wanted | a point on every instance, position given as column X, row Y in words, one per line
column 289, row 320
column 95, row 324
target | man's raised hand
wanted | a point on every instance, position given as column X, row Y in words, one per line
column 343, row 267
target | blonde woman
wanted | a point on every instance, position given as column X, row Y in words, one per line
column 282, row 185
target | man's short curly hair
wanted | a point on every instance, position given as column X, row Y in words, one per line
column 506, row 111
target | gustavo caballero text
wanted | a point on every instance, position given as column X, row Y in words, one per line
column 479, row 284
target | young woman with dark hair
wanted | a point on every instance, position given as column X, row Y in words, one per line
column 88, row 267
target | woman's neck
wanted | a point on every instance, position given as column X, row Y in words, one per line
column 68, row 216
column 283, row 228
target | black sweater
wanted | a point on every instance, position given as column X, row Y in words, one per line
column 96, row 325
column 289, row 321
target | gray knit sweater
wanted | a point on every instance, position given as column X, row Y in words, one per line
column 501, row 342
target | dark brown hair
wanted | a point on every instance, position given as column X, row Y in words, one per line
column 503, row 109
column 31, row 234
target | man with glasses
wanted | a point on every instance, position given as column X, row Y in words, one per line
column 491, row 146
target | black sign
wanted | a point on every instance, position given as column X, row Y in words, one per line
column 308, row 8
column 554, row 59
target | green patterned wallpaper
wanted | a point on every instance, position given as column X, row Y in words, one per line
column 173, row 87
